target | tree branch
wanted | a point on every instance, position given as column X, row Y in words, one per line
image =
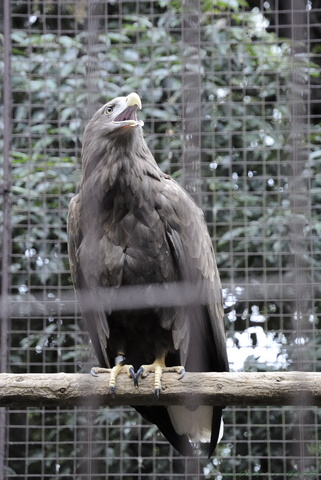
column 66, row 390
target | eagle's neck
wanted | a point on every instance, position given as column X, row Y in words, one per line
column 118, row 161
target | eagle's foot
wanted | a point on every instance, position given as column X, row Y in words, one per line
column 114, row 372
column 158, row 368
column 95, row 371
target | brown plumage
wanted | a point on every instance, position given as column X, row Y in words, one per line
column 133, row 225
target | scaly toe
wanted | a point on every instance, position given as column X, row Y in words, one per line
column 96, row 370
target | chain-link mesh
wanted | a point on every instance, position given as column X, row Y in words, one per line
column 231, row 105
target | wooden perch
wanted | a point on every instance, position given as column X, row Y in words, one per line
column 227, row 389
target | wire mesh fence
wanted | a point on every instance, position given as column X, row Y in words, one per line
column 231, row 105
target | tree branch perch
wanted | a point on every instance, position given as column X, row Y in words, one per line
column 239, row 389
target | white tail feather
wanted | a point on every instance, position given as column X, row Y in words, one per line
column 197, row 424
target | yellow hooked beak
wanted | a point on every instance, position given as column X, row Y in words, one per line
column 128, row 116
column 134, row 99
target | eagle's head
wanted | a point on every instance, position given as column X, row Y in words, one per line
column 119, row 113
column 113, row 134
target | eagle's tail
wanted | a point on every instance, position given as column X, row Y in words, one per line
column 159, row 416
column 203, row 424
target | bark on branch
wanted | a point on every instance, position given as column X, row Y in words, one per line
column 61, row 389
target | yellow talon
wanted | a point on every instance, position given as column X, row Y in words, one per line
column 158, row 367
column 114, row 372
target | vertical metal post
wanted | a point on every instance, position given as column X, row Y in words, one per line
column 300, row 214
column 5, row 188
column 191, row 122
column 6, row 234
column 191, row 97
column 95, row 15
column 93, row 25
column 298, row 183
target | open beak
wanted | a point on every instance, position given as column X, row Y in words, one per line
column 128, row 117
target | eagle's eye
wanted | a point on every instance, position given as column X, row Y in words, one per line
column 109, row 110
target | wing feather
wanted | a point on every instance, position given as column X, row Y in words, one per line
column 198, row 331
column 89, row 298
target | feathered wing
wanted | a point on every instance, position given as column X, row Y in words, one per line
column 192, row 250
column 88, row 295
column 198, row 331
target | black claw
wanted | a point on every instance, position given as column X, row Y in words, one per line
column 157, row 393
column 134, row 376
column 112, row 391
column 139, row 372
column 94, row 374
column 135, row 381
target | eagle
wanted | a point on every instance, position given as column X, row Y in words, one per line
column 133, row 229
